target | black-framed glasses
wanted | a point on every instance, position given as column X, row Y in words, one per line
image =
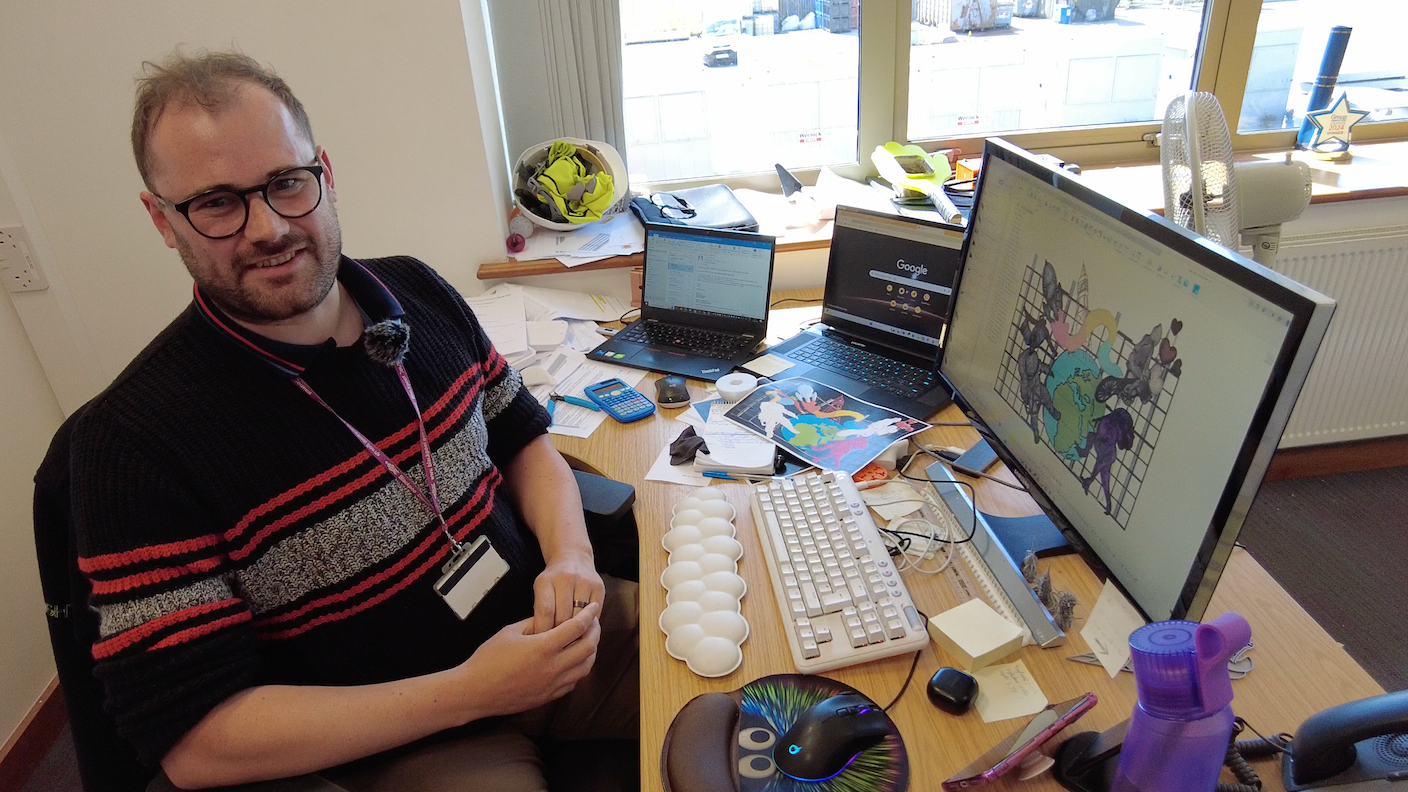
column 220, row 214
column 672, row 206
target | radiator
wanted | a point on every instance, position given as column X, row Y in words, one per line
column 1358, row 386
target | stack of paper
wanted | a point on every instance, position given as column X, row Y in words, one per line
column 541, row 305
column 731, row 447
column 570, row 373
column 620, row 235
column 500, row 312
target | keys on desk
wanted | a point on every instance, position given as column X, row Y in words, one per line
column 831, row 574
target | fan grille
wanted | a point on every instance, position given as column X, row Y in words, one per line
column 1196, row 140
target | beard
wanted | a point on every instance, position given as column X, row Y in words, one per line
column 269, row 300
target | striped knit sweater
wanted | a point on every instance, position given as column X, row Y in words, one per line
column 236, row 534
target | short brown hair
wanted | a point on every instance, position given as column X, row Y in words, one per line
column 208, row 79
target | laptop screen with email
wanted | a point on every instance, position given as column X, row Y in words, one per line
column 708, row 275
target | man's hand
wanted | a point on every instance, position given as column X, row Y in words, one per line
column 517, row 670
column 570, row 578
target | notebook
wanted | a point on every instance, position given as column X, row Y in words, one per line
column 704, row 302
column 889, row 288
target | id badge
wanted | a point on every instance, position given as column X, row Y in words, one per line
column 469, row 575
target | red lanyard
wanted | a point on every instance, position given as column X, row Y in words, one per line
column 432, row 500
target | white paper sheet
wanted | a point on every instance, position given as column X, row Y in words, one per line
column 1007, row 691
column 618, row 236
column 541, row 305
column 572, row 373
column 733, row 447
column 662, row 470
column 1108, row 628
column 500, row 312
column 892, row 501
column 582, row 335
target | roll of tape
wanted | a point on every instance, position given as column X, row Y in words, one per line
column 735, row 386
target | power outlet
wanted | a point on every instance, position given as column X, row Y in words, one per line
column 18, row 268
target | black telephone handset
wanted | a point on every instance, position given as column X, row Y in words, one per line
column 1362, row 741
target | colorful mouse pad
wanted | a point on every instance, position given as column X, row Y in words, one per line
column 723, row 741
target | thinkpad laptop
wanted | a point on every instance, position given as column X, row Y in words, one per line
column 704, row 302
column 889, row 287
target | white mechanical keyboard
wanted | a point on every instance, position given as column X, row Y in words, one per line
column 840, row 595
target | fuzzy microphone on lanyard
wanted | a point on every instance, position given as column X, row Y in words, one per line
column 386, row 341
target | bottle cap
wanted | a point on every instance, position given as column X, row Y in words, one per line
column 1180, row 667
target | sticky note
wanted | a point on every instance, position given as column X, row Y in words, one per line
column 1108, row 628
column 1007, row 691
column 768, row 365
column 975, row 635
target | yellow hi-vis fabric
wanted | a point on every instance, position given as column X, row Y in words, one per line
column 580, row 196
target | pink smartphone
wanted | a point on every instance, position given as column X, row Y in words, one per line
column 1012, row 751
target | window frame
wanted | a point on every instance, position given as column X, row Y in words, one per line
column 1222, row 63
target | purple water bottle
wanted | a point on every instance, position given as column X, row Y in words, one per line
column 1181, row 725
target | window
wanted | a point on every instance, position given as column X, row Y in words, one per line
column 996, row 66
column 718, row 87
column 1291, row 36
column 727, row 88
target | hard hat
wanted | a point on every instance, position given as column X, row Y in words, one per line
column 597, row 155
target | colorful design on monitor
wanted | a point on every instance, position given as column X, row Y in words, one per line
column 1095, row 396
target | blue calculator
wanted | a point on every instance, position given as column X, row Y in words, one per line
column 619, row 400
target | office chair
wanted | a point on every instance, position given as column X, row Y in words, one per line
column 108, row 763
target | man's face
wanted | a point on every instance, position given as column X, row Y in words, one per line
column 276, row 268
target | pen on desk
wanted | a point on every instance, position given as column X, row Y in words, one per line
column 724, row 475
column 557, row 397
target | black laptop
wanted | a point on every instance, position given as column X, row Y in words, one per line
column 889, row 287
column 704, row 302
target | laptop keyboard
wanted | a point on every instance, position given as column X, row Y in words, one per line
column 875, row 370
column 697, row 341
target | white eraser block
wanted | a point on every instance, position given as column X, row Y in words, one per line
column 546, row 336
column 975, row 634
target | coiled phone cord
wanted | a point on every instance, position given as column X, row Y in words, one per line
column 1239, row 751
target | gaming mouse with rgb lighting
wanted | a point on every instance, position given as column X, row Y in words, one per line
column 828, row 736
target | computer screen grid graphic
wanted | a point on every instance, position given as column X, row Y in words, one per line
column 1094, row 396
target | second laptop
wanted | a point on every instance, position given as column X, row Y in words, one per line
column 704, row 304
column 889, row 285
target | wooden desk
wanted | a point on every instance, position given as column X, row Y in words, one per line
column 1299, row 671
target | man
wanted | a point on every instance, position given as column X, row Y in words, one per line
column 257, row 517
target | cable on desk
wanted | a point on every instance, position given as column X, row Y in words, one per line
column 1239, row 751
column 795, row 299
column 629, row 311
column 912, row 666
column 972, row 531
column 967, row 471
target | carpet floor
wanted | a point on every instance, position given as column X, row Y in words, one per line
column 1338, row 544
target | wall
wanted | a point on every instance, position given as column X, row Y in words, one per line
column 403, row 104
column 30, row 416
column 391, row 95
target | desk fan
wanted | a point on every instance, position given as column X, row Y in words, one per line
column 1201, row 185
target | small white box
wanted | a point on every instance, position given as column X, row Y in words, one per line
column 546, row 336
column 975, row 634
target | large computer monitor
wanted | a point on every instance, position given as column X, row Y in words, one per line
column 1136, row 376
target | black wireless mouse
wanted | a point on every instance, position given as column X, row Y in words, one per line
column 828, row 736
column 671, row 390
